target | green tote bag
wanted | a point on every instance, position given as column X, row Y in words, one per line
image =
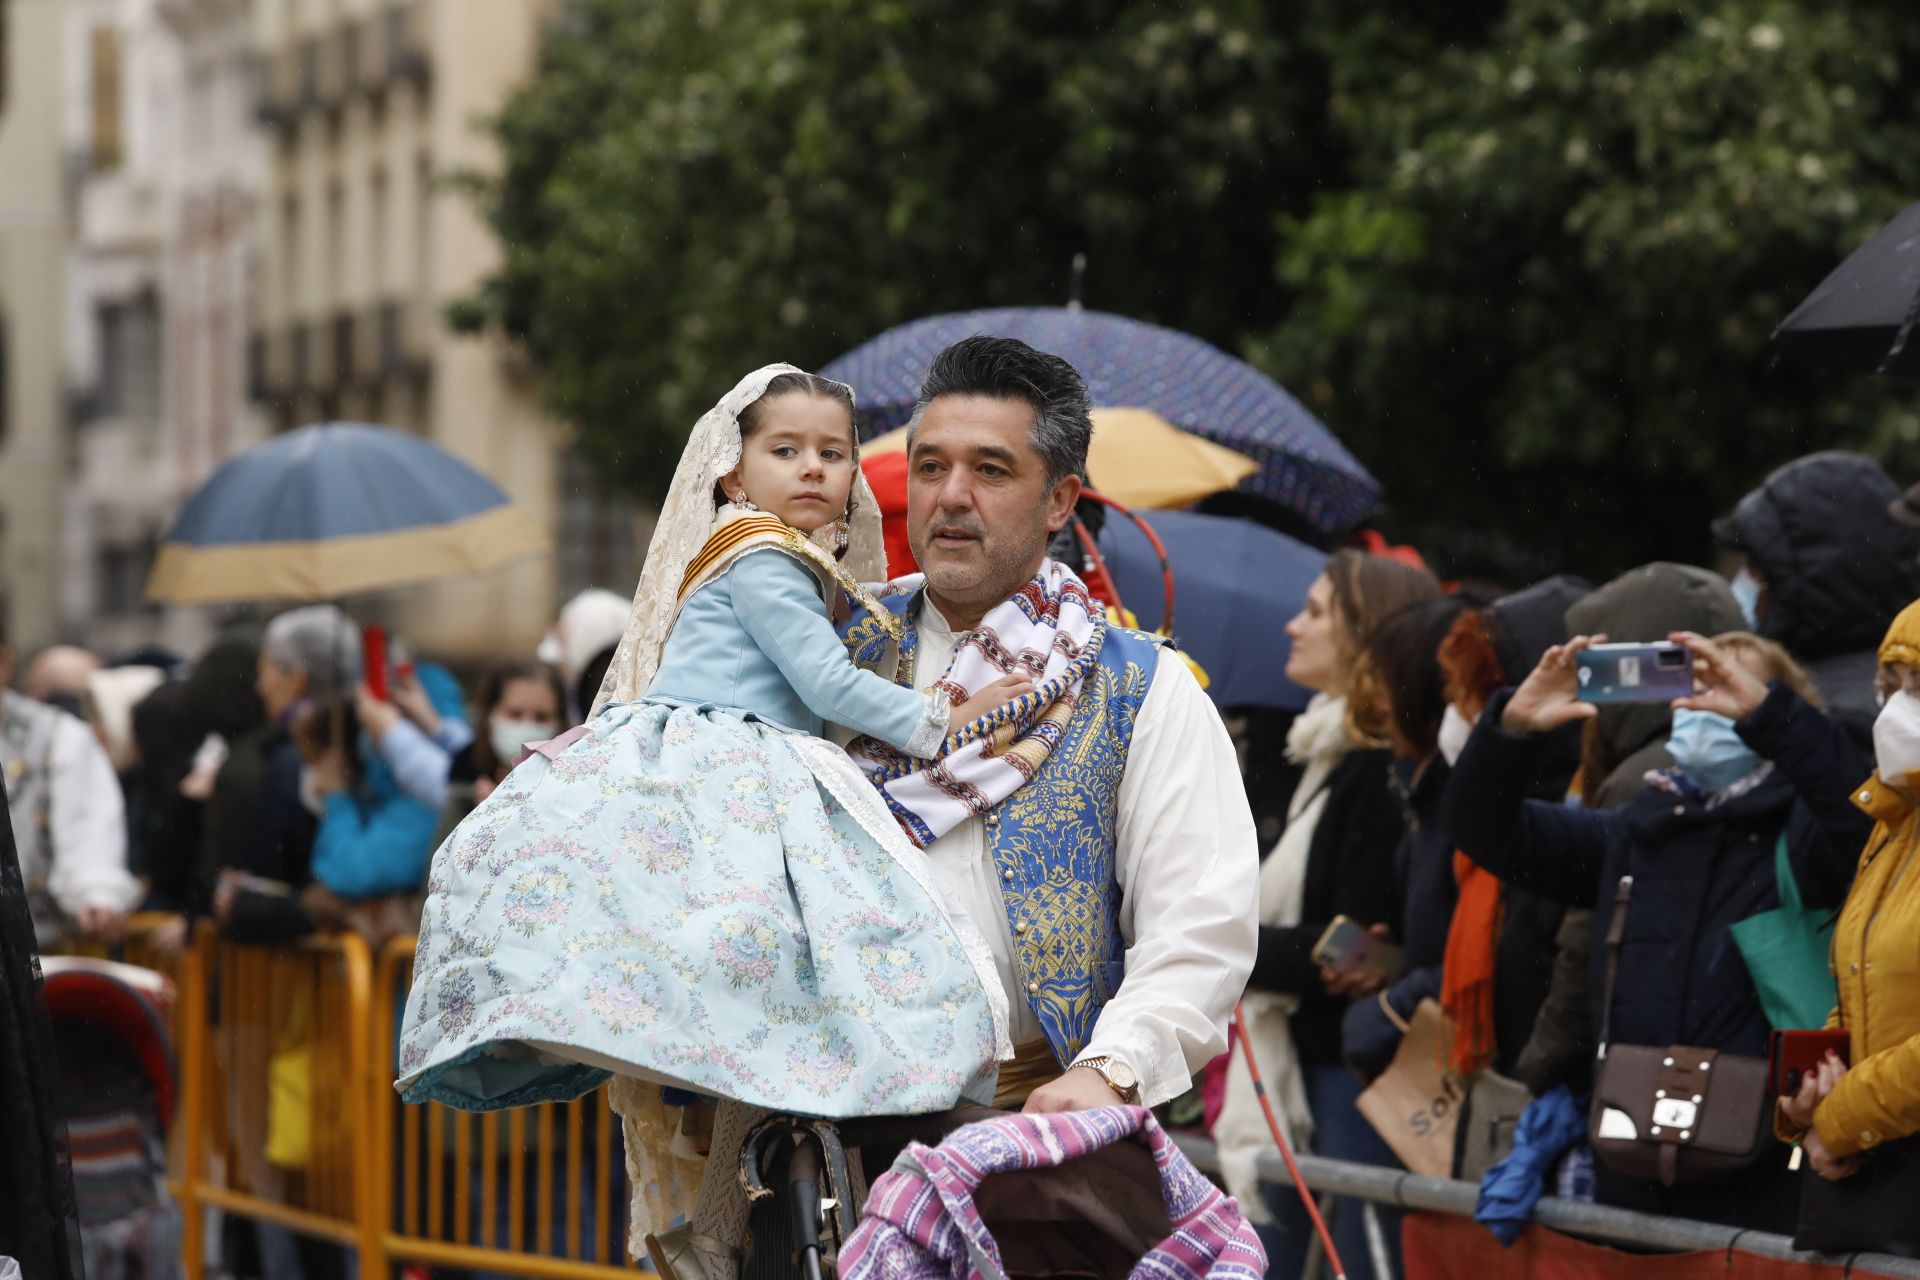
column 1786, row 952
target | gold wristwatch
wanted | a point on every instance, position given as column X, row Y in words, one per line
column 1118, row 1075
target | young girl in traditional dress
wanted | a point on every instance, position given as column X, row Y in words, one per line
column 696, row 889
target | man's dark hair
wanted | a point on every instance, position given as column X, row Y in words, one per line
column 1009, row 369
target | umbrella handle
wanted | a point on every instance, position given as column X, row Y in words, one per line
column 1153, row 540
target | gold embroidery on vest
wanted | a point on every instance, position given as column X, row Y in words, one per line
column 1072, row 806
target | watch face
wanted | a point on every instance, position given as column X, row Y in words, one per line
column 1123, row 1078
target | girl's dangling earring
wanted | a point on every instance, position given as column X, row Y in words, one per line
column 742, row 501
column 842, row 536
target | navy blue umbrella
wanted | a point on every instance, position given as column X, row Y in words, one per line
column 330, row 510
column 1132, row 365
column 1236, row 584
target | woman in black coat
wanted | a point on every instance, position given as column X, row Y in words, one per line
column 1334, row 857
column 1699, row 843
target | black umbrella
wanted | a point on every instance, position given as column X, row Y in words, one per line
column 1863, row 315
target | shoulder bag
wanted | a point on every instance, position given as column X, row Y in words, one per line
column 1679, row 1115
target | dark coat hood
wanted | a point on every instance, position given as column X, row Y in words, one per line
column 1838, row 566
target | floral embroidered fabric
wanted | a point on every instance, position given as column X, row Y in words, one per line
column 678, row 897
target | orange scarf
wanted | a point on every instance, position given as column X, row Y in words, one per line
column 1466, row 977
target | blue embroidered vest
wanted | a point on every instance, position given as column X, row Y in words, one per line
column 1054, row 840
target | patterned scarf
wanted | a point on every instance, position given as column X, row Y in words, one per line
column 1048, row 629
column 921, row 1221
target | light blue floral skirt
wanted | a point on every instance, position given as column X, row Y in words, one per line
column 702, row 901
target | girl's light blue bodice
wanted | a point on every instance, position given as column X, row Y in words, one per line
column 756, row 640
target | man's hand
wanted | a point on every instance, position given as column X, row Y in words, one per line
column 1550, row 696
column 169, row 937
column 103, row 923
column 376, row 717
column 1080, row 1089
column 225, row 890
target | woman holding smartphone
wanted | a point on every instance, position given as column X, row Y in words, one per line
column 1858, row 1124
column 1754, row 759
column 1334, row 858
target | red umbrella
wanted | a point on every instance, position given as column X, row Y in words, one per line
column 887, row 473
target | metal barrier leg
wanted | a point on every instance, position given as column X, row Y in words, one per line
column 191, row 1115
column 1316, row 1259
column 1376, row 1241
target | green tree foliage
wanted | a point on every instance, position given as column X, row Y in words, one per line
column 692, row 190
column 1524, row 256
column 1541, row 305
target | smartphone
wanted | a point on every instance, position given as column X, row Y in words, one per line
column 1634, row 673
column 1346, row 947
column 373, row 661
column 1791, row 1054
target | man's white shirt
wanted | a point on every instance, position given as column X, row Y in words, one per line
column 81, row 854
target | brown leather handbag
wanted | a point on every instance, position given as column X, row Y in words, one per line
column 1679, row 1115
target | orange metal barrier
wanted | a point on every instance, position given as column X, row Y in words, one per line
column 535, row 1191
column 289, row 1021
column 288, row 1115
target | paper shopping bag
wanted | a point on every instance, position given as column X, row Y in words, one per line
column 1415, row 1104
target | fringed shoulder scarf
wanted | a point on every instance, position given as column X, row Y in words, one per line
column 1049, row 629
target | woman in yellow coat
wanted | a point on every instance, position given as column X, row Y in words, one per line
column 1868, row 1115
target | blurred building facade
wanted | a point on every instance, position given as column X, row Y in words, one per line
column 124, row 134
column 241, row 211
column 33, row 440
column 370, row 108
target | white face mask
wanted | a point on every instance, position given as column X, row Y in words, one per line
column 510, row 737
column 1896, row 739
column 1746, row 594
column 1455, row 729
column 310, row 797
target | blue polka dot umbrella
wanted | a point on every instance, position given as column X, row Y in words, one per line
column 333, row 510
column 1132, row 365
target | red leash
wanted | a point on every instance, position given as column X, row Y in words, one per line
column 1286, row 1151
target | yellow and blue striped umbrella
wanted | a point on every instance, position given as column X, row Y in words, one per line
column 334, row 509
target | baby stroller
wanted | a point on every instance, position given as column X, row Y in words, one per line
column 120, row 1081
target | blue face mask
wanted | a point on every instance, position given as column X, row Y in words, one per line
column 1746, row 594
column 1708, row 750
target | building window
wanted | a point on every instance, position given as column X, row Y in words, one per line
column 380, row 227
column 121, row 574
column 292, row 250
column 335, row 268
column 103, row 72
column 310, row 72
column 130, row 358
